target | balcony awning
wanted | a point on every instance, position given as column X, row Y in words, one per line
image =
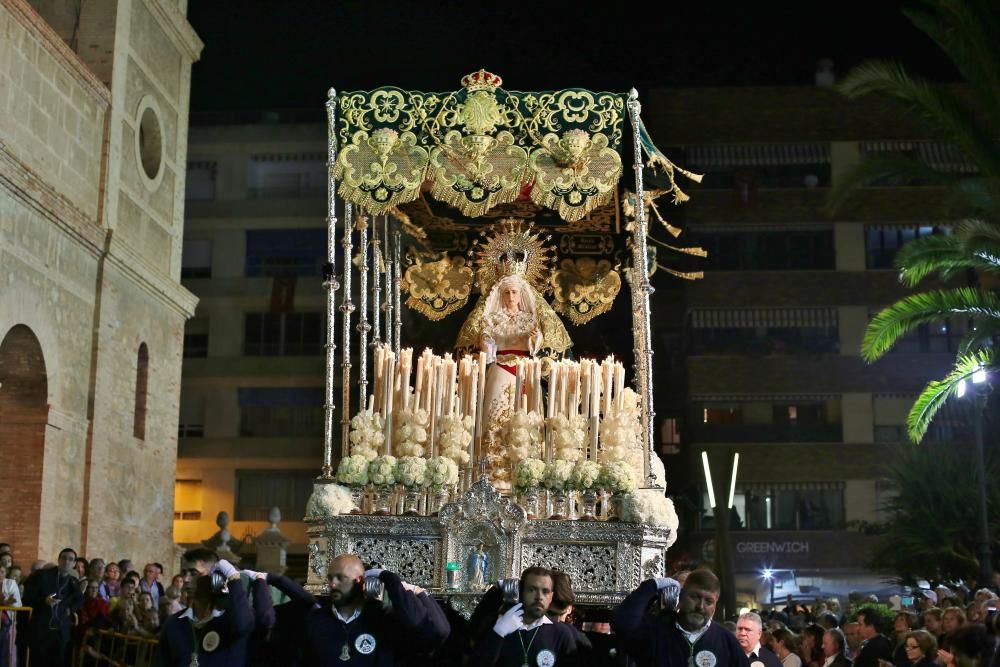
column 756, row 155
column 751, row 318
column 940, row 155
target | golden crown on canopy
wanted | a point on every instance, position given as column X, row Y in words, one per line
column 481, row 80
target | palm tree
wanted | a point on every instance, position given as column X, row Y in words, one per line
column 969, row 33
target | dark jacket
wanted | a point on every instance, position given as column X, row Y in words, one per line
column 767, row 656
column 285, row 642
column 46, row 620
column 222, row 642
column 555, row 638
column 377, row 637
column 656, row 640
column 877, row 648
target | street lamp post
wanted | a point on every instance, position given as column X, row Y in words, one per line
column 981, row 390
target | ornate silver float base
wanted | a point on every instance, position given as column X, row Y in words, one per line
column 605, row 560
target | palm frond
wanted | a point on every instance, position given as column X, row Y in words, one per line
column 980, row 197
column 981, row 335
column 936, row 107
column 927, row 255
column 882, row 166
column 895, row 321
column 967, row 32
column 981, row 239
column 937, row 392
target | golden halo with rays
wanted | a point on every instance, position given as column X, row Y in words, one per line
column 511, row 246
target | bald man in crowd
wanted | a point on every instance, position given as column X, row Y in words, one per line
column 355, row 630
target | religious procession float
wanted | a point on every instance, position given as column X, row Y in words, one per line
column 465, row 462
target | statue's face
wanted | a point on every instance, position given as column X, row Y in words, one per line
column 510, row 295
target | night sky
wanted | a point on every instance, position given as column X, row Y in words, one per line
column 285, row 54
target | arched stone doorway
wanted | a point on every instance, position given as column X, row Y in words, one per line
column 24, row 411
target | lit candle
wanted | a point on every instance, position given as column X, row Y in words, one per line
column 553, row 388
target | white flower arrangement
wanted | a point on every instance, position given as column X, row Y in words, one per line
column 367, row 435
column 382, row 471
column 410, row 471
column 569, row 436
column 409, row 432
column 524, row 435
column 651, row 507
column 557, row 475
column 528, row 474
column 585, row 475
column 617, row 477
column 353, row 470
column 454, row 433
column 440, row 471
column 620, row 436
column 329, row 500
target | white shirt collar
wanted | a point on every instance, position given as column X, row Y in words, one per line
column 189, row 614
column 544, row 620
column 692, row 637
column 354, row 616
column 755, row 649
column 829, row 661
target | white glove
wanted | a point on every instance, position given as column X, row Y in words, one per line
column 664, row 582
column 374, row 572
column 226, row 569
column 253, row 574
column 407, row 586
column 511, row 621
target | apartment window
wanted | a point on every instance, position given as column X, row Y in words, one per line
column 767, row 251
column 941, row 156
column 191, row 420
column 257, row 491
column 281, row 412
column 199, row 183
column 285, row 252
column 196, row 338
column 187, row 500
column 196, row 259
column 768, row 419
column 287, row 175
column 783, row 506
column 882, row 243
column 282, row 334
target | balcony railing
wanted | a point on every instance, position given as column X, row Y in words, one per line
column 701, row 432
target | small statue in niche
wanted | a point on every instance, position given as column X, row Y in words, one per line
column 477, row 564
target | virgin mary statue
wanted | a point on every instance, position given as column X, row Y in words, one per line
column 512, row 321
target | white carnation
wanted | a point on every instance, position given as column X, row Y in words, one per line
column 409, row 433
column 557, row 475
column 440, row 471
column 353, row 470
column 569, row 436
column 529, row 473
column 585, row 475
column 617, row 477
column 329, row 500
column 410, row 471
column 523, row 435
column 651, row 507
column 382, row 471
column 367, row 435
column 454, row 434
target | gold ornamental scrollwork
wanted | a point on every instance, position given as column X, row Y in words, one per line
column 437, row 289
column 476, row 172
column 574, row 173
column 381, row 170
column 585, row 288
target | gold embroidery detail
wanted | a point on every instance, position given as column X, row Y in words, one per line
column 381, row 170
column 585, row 288
column 475, row 173
column 574, row 174
column 437, row 289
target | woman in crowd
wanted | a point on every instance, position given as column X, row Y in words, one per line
column 811, row 645
column 921, row 648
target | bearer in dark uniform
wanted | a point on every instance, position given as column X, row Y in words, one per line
column 354, row 630
column 689, row 639
column 204, row 635
column 524, row 635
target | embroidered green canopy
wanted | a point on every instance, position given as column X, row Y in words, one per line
column 480, row 146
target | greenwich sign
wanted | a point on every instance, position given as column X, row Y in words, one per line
column 763, row 547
